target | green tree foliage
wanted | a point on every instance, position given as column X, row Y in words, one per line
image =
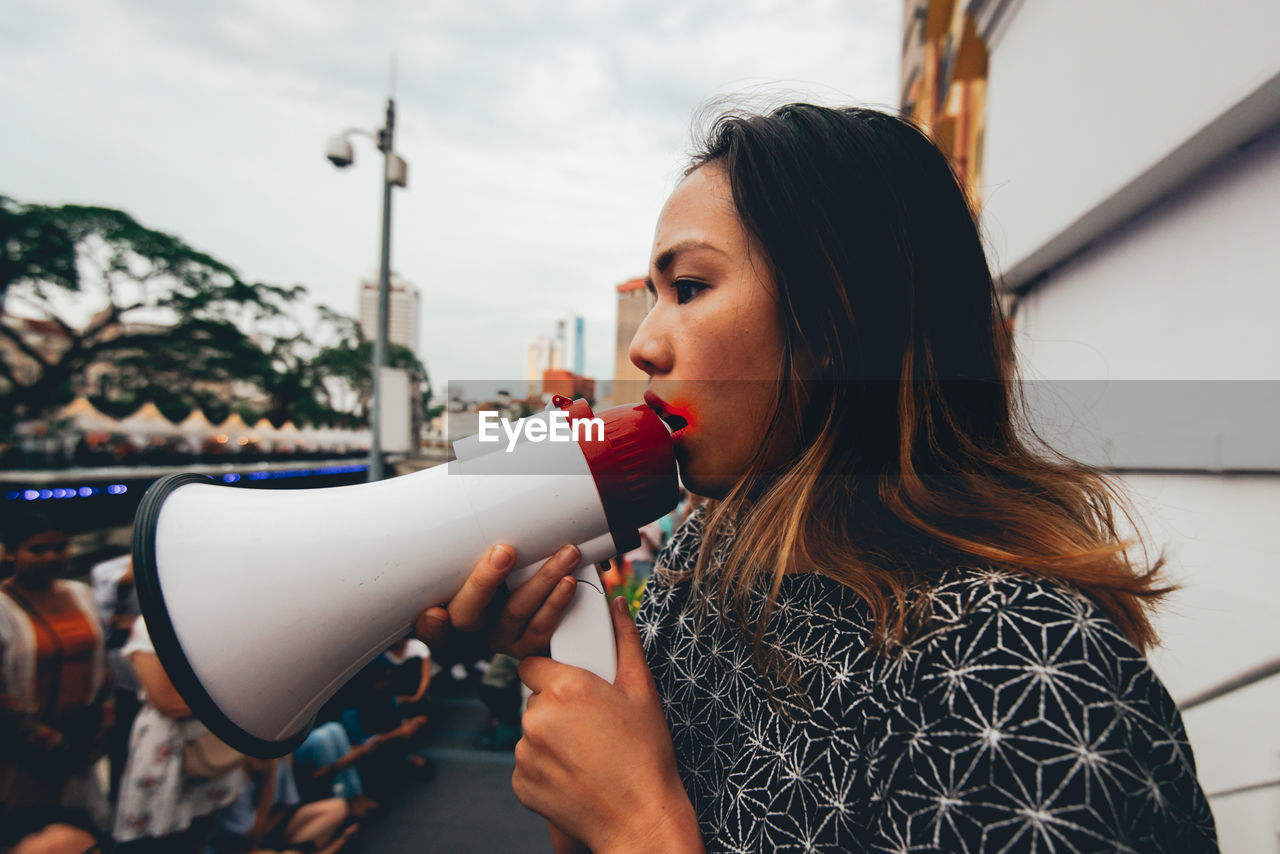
column 345, row 369
column 95, row 303
column 89, row 290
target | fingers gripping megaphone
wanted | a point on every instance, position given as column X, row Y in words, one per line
column 263, row 603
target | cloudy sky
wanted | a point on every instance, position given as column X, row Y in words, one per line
column 542, row 137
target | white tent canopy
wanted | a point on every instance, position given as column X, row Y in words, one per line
column 234, row 427
column 288, row 436
column 86, row 418
column 148, row 422
column 197, row 423
column 264, row 434
column 196, row 428
column 263, row 429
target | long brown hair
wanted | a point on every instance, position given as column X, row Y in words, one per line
column 908, row 450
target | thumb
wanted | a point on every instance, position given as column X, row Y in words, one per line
column 633, row 667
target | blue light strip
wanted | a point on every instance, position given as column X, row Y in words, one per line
column 88, row 491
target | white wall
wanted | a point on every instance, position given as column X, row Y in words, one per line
column 1180, row 312
column 1161, row 277
column 1190, row 292
column 1219, row 535
column 1088, row 95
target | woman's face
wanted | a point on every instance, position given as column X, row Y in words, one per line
column 41, row 558
column 712, row 344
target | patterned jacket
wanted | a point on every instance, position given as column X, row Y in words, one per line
column 1020, row 719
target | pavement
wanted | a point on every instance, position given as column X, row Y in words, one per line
column 467, row 806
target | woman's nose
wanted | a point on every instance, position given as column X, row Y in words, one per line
column 650, row 350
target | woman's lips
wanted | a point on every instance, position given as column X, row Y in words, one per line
column 677, row 423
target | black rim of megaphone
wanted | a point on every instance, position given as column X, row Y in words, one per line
column 165, row 640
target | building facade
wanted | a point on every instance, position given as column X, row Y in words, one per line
column 563, row 352
column 541, row 354
column 568, row 384
column 944, row 79
column 403, row 314
column 571, row 338
column 1127, row 157
column 634, row 302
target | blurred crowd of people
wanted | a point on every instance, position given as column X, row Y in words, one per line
column 99, row 752
column 82, row 690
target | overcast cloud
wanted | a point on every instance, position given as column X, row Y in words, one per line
column 541, row 138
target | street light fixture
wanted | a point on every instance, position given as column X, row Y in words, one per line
column 395, row 174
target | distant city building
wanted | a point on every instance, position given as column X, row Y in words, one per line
column 565, row 351
column 542, row 354
column 569, row 335
column 634, row 302
column 100, row 377
column 567, row 383
column 44, row 337
column 402, row 319
column 944, row 78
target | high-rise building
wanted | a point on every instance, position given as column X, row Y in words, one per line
column 634, row 302
column 565, row 351
column 569, row 332
column 541, row 355
column 402, row 319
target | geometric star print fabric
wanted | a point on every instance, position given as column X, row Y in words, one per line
column 1019, row 719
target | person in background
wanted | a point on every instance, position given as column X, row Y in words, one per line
column 412, row 666
column 411, row 659
column 161, row 808
column 376, row 719
column 118, row 606
column 268, row 815
column 55, row 706
column 500, row 691
column 325, row 767
column 58, row 838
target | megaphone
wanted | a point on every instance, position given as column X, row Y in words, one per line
column 263, row 603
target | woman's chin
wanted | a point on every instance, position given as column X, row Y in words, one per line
column 704, row 485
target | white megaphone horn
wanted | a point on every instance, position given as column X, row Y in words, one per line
column 263, row 603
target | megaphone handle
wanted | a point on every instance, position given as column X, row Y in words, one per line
column 584, row 637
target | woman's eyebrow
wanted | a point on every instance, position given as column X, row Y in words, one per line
column 664, row 259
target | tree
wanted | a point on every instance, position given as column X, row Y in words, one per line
column 346, row 372
column 94, row 302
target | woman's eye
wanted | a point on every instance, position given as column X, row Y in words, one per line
column 687, row 289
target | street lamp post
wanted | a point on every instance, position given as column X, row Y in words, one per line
column 395, row 174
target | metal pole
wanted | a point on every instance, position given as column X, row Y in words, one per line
column 1265, row 670
column 385, row 141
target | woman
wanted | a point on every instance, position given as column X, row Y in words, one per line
column 54, row 702
column 897, row 625
column 163, row 806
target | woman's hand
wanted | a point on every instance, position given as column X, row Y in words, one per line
column 568, row 764
column 528, row 617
